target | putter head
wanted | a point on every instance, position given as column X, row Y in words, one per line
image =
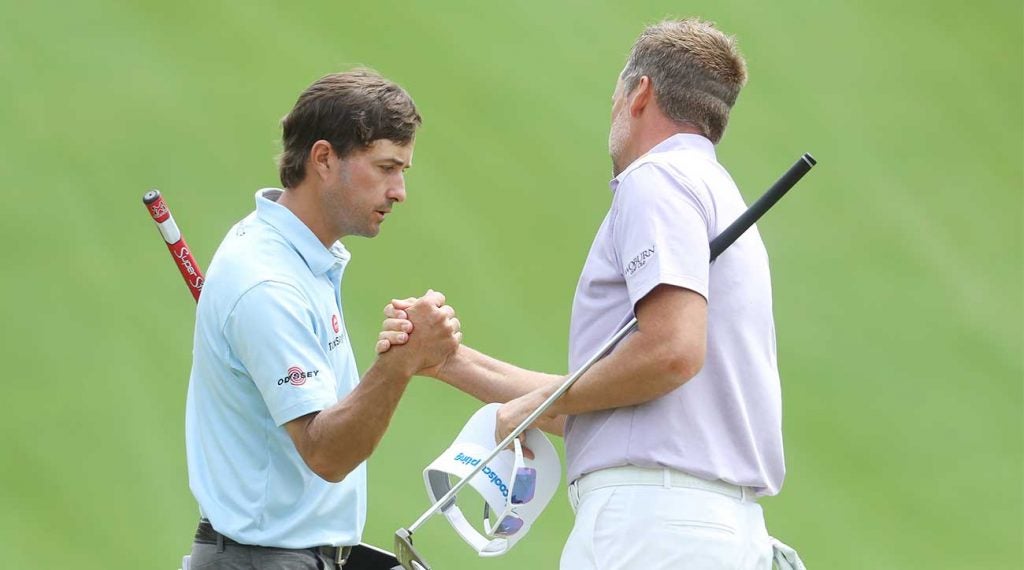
column 406, row 554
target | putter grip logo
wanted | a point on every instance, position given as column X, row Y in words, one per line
column 186, row 264
column 159, row 210
column 491, row 475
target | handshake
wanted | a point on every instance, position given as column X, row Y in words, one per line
column 420, row 334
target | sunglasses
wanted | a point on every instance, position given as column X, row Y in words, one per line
column 524, row 484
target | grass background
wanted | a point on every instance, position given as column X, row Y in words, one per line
column 897, row 263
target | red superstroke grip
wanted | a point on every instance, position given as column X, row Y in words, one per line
column 176, row 244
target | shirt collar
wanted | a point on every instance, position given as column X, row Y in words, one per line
column 676, row 142
column 319, row 258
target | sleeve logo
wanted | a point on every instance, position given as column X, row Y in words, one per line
column 296, row 376
column 638, row 262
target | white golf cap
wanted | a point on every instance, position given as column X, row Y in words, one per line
column 517, row 496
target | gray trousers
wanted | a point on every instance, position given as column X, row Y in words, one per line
column 242, row 557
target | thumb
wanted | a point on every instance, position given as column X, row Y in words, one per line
column 435, row 298
column 527, row 452
column 403, row 304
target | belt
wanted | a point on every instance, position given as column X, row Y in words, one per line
column 664, row 477
column 206, row 534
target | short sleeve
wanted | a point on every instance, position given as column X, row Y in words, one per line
column 660, row 232
column 271, row 332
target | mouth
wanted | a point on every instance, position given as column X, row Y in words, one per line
column 382, row 213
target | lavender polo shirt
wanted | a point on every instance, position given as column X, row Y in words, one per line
column 726, row 422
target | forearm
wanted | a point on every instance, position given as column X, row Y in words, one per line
column 667, row 349
column 642, row 368
column 341, row 437
column 489, row 379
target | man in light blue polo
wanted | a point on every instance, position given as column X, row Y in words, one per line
column 278, row 421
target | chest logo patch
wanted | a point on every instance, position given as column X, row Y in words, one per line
column 334, row 323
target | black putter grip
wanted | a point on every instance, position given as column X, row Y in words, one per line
column 763, row 204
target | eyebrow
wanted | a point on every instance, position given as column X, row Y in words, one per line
column 396, row 161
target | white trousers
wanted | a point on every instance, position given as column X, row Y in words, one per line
column 630, row 517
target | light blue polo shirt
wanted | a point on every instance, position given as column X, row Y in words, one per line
column 270, row 346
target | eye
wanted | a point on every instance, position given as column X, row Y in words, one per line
column 389, row 168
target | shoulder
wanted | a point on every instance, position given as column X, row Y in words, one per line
column 694, row 177
column 254, row 251
column 253, row 257
column 659, row 178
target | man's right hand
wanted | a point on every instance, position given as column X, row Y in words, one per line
column 434, row 336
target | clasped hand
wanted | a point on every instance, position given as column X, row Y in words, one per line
column 422, row 330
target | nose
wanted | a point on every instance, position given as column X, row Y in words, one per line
column 397, row 190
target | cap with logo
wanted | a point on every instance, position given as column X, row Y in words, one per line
column 515, row 489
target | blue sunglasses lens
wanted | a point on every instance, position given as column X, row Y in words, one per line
column 509, row 526
column 524, row 486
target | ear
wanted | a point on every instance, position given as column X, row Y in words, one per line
column 320, row 156
column 641, row 96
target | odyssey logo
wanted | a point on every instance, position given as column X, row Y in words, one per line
column 296, row 376
column 639, row 261
column 491, row 475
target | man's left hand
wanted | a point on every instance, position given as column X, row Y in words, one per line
column 397, row 327
column 511, row 414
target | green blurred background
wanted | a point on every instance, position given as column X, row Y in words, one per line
column 897, row 263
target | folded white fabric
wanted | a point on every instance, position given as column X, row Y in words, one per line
column 785, row 557
column 515, row 489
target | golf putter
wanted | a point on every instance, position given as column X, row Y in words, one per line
column 407, row 555
column 180, row 251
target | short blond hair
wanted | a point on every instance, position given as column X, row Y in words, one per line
column 696, row 72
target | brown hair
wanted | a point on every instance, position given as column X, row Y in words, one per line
column 350, row 110
column 696, row 72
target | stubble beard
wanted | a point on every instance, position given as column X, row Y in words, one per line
column 338, row 211
column 344, row 215
column 618, row 134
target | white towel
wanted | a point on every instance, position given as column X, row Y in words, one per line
column 785, row 557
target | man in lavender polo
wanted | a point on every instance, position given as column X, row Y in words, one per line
column 672, row 437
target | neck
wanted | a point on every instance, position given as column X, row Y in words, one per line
column 651, row 135
column 302, row 201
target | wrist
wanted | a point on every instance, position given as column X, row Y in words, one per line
column 443, row 371
column 558, row 406
column 393, row 366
